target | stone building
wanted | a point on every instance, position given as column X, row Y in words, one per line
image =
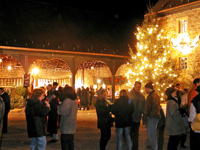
column 183, row 26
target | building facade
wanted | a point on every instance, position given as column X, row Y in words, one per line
column 183, row 25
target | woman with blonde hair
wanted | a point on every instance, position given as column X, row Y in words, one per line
column 104, row 119
column 123, row 109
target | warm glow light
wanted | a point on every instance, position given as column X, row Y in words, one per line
column 98, row 81
column 1, row 60
column 104, row 86
column 35, row 71
column 78, row 84
column 184, row 44
column 9, row 67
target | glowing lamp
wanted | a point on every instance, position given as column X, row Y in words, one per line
column 35, row 71
column 95, row 86
column 9, row 67
column 184, row 44
column 98, row 81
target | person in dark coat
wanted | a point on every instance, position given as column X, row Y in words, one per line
column 104, row 119
column 49, row 92
column 53, row 117
column 2, row 110
column 194, row 111
column 61, row 94
column 36, row 112
column 6, row 100
column 84, row 99
column 123, row 109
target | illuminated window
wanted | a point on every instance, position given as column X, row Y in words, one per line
column 183, row 62
column 182, row 25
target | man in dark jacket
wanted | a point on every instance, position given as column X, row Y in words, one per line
column 2, row 110
column 123, row 109
column 104, row 119
column 194, row 111
column 36, row 113
column 138, row 100
column 6, row 100
column 151, row 114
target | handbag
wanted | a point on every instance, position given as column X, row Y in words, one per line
column 196, row 124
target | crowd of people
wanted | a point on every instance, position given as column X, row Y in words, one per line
column 57, row 109
column 182, row 116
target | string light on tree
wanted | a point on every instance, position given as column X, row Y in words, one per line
column 155, row 58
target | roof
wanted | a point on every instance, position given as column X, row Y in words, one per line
column 37, row 25
column 165, row 5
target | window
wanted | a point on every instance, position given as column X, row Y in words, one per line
column 182, row 25
column 183, row 62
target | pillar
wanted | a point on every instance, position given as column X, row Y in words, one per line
column 73, row 70
column 113, row 81
column 113, row 88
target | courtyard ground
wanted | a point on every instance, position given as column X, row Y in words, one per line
column 86, row 137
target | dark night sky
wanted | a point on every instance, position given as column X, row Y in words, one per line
column 124, row 9
column 93, row 26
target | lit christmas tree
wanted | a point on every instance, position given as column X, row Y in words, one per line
column 155, row 59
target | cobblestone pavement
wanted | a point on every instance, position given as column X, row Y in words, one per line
column 86, row 137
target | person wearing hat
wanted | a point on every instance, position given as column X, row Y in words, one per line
column 151, row 114
column 194, row 110
column 53, row 117
column 174, row 125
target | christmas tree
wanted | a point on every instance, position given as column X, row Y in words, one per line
column 155, row 60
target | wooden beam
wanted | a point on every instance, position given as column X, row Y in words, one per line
column 61, row 51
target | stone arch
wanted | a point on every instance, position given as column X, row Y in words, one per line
column 121, row 74
column 50, row 70
column 122, row 69
column 11, row 71
column 92, row 72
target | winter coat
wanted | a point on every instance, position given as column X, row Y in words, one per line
column 84, row 99
column 68, row 111
column 6, row 100
column 49, row 94
column 123, row 109
column 103, row 110
column 53, row 116
column 2, row 111
column 152, row 106
column 138, row 100
column 36, row 113
column 196, row 103
column 191, row 94
column 174, row 124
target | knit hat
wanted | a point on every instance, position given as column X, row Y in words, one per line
column 149, row 85
column 198, row 89
column 169, row 91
